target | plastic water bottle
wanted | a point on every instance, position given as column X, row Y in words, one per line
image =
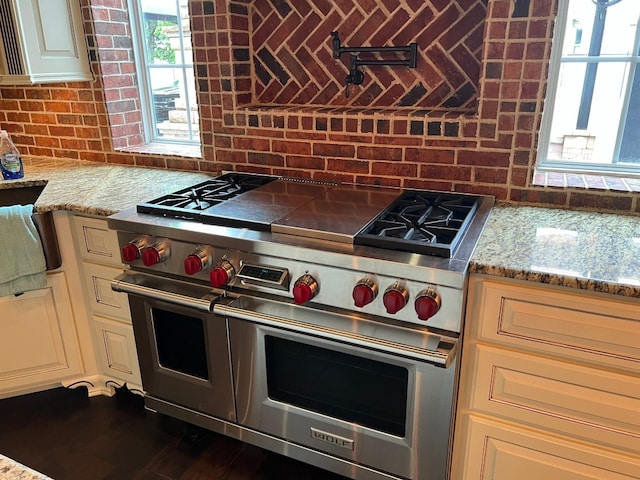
column 10, row 160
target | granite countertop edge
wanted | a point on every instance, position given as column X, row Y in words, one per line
column 12, row 470
column 588, row 251
column 583, row 250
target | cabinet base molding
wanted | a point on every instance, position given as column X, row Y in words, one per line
column 102, row 385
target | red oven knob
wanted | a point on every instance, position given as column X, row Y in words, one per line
column 197, row 261
column 395, row 298
column 192, row 264
column 427, row 304
column 364, row 292
column 131, row 251
column 304, row 289
column 222, row 274
column 155, row 253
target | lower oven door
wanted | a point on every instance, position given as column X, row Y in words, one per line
column 301, row 376
column 182, row 346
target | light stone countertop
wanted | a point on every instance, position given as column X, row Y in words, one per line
column 584, row 250
column 591, row 251
column 96, row 188
column 12, row 470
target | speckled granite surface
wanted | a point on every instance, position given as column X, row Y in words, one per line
column 584, row 250
column 98, row 189
column 12, row 470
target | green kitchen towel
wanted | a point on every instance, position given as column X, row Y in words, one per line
column 22, row 263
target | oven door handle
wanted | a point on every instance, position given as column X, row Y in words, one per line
column 439, row 353
column 190, row 296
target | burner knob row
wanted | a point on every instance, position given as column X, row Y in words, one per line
column 132, row 251
column 396, row 297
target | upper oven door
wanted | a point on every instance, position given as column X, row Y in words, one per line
column 182, row 349
column 339, row 392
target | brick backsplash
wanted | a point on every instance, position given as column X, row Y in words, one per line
column 271, row 97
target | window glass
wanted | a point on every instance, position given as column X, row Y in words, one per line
column 165, row 65
column 593, row 102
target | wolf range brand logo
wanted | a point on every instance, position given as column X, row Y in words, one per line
column 332, row 439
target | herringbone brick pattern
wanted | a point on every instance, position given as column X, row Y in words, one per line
column 290, row 47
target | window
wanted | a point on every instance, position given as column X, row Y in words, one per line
column 164, row 60
column 592, row 113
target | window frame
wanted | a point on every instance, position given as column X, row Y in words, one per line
column 613, row 168
column 144, row 80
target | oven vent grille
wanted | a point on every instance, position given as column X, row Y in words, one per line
column 10, row 35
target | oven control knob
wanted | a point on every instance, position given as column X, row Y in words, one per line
column 155, row 253
column 427, row 304
column 131, row 251
column 364, row 292
column 304, row 289
column 222, row 274
column 395, row 298
column 197, row 261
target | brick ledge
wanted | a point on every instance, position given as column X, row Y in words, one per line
column 586, row 181
column 188, row 151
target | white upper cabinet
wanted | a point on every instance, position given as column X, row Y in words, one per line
column 42, row 41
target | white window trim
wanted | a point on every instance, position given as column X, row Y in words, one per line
column 144, row 81
column 544, row 165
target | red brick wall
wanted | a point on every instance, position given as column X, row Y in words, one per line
column 489, row 151
column 287, row 48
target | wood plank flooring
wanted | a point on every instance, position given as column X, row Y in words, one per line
column 69, row 436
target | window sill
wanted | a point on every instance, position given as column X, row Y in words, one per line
column 560, row 179
column 188, row 151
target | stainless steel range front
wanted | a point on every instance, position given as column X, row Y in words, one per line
column 320, row 321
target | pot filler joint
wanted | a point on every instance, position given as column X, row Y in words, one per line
column 356, row 75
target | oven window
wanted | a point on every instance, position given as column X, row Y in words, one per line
column 180, row 343
column 354, row 389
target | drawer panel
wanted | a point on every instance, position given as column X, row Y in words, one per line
column 499, row 451
column 579, row 326
column 563, row 397
column 102, row 299
column 95, row 241
column 116, row 350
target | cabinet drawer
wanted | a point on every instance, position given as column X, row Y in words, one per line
column 562, row 397
column 102, row 299
column 500, row 451
column 116, row 350
column 95, row 241
column 543, row 319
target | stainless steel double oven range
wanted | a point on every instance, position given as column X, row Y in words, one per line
column 320, row 321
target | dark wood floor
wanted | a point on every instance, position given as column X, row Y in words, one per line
column 68, row 436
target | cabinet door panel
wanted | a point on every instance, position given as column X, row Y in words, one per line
column 497, row 451
column 116, row 350
column 102, row 299
column 95, row 241
column 38, row 343
column 579, row 327
column 559, row 396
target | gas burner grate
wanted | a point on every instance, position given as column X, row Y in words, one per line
column 189, row 202
column 421, row 222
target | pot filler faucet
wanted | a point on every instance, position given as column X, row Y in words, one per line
column 356, row 76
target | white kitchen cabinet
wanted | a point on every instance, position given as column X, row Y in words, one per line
column 550, row 384
column 42, row 41
column 503, row 451
column 99, row 258
column 39, row 347
column 116, row 350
